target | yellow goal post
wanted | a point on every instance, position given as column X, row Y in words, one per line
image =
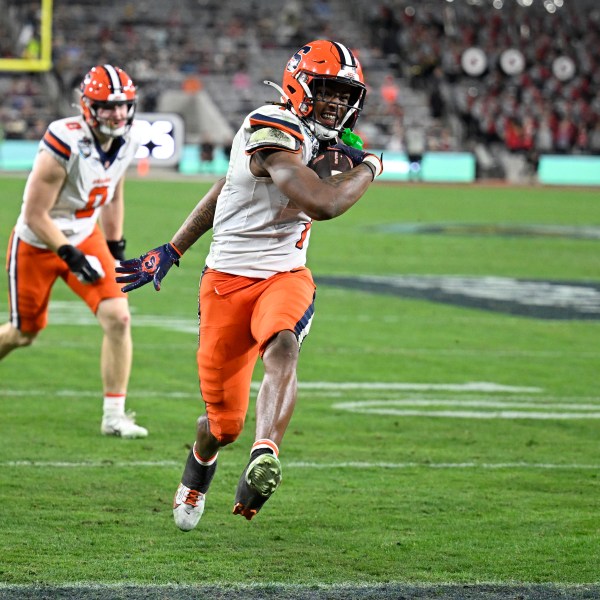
column 44, row 61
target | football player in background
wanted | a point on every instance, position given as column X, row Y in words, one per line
column 256, row 294
column 77, row 180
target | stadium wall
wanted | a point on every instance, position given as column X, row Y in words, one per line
column 443, row 167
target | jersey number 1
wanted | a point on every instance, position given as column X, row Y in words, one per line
column 300, row 242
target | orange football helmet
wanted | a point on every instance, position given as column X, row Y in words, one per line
column 103, row 87
column 313, row 66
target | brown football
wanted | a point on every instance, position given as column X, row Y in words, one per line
column 330, row 162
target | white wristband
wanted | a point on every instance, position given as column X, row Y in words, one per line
column 375, row 163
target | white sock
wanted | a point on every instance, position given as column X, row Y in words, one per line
column 114, row 405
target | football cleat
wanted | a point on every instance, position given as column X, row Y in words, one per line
column 258, row 482
column 188, row 506
column 123, row 426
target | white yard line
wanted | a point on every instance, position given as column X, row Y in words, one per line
column 383, row 404
column 472, row 386
column 404, row 399
column 518, row 408
column 325, row 386
column 473, row 414
column 302, row 465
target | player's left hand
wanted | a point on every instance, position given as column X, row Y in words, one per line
column 356, row 156
column 117, row 248
column 152, row 266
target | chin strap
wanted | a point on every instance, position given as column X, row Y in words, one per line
column 324, row 134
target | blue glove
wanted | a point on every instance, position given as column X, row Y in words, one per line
column 359, row 157
column 356, row 156
column 152, row 266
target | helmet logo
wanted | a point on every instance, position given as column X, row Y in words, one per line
column 295, row 60
column 349, row 73
column 117, row 97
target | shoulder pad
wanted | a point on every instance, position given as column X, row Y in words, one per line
column 279, row 120
column 56, row 142
column 273, row 138
column 272, row 127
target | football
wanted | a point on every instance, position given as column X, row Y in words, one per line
column 330, row 162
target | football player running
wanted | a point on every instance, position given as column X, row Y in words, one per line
column 77, row 179
column 256, row 294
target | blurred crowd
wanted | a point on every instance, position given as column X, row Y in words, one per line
column 531, row 79
column 545, row 99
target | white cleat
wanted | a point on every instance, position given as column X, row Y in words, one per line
column 123, row 426
column 188, row 506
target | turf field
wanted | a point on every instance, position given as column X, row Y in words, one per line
column 445, row 441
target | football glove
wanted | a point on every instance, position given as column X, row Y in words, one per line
column 117, row 248
column 152, row 266
column 78, row 264
column 359, row 157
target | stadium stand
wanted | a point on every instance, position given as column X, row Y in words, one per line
column 517, row 110
column 208, row 58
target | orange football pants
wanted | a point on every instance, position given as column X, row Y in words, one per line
column 238, row 317
column 33, row 271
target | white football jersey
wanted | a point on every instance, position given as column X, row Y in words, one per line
column 256, row 231
column 92, row 176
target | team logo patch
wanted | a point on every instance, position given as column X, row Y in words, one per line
column 537, row 299
column 151, row 262
column 85, row 147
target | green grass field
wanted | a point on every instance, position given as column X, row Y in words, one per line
column 432, row 443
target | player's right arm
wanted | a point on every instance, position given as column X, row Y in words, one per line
column 43, row 186
column 45, row 181
column 320, row 199
column 278, row 147
column 200, row 220
column 155, row 264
